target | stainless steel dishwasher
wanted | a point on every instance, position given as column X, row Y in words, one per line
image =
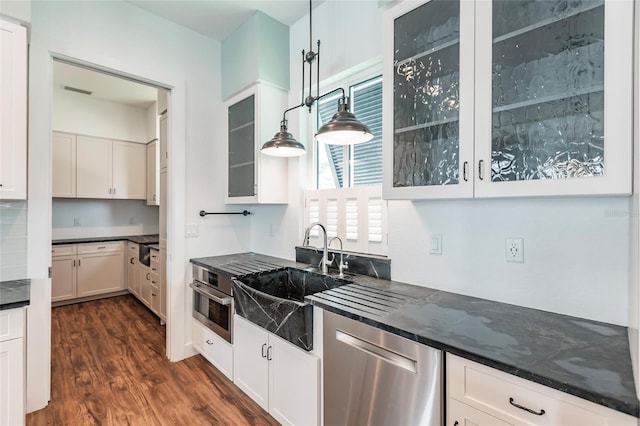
column 372, row 377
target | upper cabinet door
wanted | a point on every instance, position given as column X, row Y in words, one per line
column 553, row 99
column 129, row 170
column 64, row 165
column 93, row 167
column 428, row 100
column 13, row 111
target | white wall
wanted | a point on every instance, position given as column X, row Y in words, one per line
column 101, row 218
column 19, row 10
column 84, row 115
column 122, row 38
column 576, row 250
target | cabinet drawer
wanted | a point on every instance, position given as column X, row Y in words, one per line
column 155, row 255
column 132, row 248
column 11, row 324
column 499, row 394
column 215, row 349
column 63, row 250
column 99, row 247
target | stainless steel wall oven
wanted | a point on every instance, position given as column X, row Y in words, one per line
column 213, row 301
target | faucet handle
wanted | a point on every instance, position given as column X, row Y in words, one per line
column 330, row 260
column 345, row 265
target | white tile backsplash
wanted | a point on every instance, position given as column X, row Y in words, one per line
column 13, row 240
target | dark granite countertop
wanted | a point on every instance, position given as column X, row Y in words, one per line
column 14, row 294
column 138, row 239
column 154, row 246
column 585, row 358
column 232, row 264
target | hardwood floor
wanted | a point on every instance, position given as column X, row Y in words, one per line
column 109, row 368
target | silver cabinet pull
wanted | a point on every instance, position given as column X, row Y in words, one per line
column 529, row 410
column 208, row 293
column 264, row 347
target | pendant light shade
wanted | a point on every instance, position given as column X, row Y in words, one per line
column 283, row 144
column 344, row 128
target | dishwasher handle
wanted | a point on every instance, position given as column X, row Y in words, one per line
column 378, row 351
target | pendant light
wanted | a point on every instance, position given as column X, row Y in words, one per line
column 343, row 129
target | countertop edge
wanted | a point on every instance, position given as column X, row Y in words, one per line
column 155, row 239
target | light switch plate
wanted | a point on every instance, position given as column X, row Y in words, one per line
column 192, row 230
column 435, row 244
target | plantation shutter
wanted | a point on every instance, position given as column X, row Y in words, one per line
column 366, row 98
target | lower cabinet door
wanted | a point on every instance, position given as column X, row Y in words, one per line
column 144, row 281
column 459, row 414
column 12, row 379
column 294, row 384
column 215, row 349
column 250, row 364
column 63, row 278
column 132, row 275
column 100, row 273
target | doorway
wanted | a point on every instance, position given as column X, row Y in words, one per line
column 109, row 180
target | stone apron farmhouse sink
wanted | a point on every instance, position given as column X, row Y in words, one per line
column 274, row 300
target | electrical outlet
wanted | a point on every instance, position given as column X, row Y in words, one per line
column 76, row 221
column 435, row 246
column 514, row 250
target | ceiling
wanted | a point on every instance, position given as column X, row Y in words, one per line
column 103, row 86
column 217, row 19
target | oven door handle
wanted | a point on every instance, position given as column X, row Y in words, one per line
column 221, row 300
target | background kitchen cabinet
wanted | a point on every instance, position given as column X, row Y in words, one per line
column 163, row 141
column 253, row 118
column 280, row 377
column 133, row 283
column 144, row 277
column 63, row 272
column 528, row 87
column 94, row 167
column 80, row 270
column 13, row 111
column 153, row 174
column 163, row 279
column 12, row 366
column 479, row 393
column 129, row 170
column 88, row 167
column 100, row 268
column 64, row 165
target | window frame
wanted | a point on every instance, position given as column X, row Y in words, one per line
column 348, row 79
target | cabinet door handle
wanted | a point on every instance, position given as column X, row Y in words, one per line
column 74, row 263
column 464, row 171
column 131, row 260
column 264, row 347
column 269, row 353
column 78, row 262
column 209, row 342
column 153, row 294
column 114, row 191
column 154, row 197
column 102, row 247
column 480, row 163
column 153, row 282
column 529, row 410
column 456, row 423
column 148, row 276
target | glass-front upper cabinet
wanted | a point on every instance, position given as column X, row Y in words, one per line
column 508, row 98
column 253, row 117
column 553, row 97
column 428, row 118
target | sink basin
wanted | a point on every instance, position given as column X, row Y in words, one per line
column 275, row 301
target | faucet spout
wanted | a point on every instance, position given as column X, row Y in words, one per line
column 305, row 242
column 342, row 265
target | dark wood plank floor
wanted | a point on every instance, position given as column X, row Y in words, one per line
column 109, row 368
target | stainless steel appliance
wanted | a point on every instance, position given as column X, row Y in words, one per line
column 144, row 254
column 372, row 377
column 213, row 301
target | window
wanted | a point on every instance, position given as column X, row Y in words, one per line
column 356, row 165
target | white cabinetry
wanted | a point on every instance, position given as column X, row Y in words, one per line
column 13, row 111
column 63, row 272
column 519, row 100
column 64, row 165
column 88, row 167
column 217, row 351
column 12, row 367
column 280, row 377
column 163, row 142
column 254, row 116
column 133, row 283
column 477, row 394
column 153, row 174
column 82, row 270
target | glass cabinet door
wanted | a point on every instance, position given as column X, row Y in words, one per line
column 429, row 72
column 242, row 148
column 545, row 122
